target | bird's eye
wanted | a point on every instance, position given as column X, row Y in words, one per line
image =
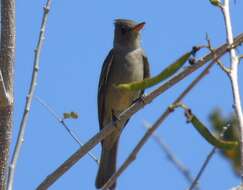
column 123, row 30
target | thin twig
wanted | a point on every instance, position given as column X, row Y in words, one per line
column 234, row 59
column 29, row 96
column 97, row 138
column 171, row 156
column 150, row 131
column 3, row 92
column 205, row 163
column 220, row 64
column 223, row 67
column 210, row 155
column 63, row 123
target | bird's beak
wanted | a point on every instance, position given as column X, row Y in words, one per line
column 138, row 27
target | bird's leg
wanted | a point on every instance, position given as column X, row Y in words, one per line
column 140, row 98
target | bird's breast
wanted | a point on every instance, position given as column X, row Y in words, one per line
column 126, row 68
column 129, row 66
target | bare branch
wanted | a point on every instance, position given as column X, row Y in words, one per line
column 7, row 60
column 29, row 97
column 220, row 64
column 223, row 67
column 129, row 112
column 171, row 156
column 209, row 157
column 150, row 131
column 234, row 59
column 63, row 123
column 7, row 54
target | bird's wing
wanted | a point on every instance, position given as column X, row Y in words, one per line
column 103, row 86
column 146, row 68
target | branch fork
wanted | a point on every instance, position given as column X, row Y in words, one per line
column 233, row 73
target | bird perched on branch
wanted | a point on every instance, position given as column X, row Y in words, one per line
column 125, row 63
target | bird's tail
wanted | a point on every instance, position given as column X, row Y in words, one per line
column 107, row 166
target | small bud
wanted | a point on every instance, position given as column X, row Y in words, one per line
column 74, row 115
column 70, row 115
column 66, row 115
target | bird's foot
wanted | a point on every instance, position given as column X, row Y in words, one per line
column 140, row 99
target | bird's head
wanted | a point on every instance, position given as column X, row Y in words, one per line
column 127, row 33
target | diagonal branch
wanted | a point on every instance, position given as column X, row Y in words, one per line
column 205, row 163
column 171, row 156
column 63, row 123
column 151, row 130
column 50, row 179
column 29, row 97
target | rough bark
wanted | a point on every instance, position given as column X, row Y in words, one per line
column 7, row 59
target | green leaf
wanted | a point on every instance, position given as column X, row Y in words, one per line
column 74, row 115
column 70, row 115
column 66, row 115
column 200, row 127
column 166, row 73
column 215, row 2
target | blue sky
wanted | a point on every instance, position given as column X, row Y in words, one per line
column 79, row 36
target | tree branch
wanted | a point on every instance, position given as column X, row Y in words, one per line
column 151, row 130
column 29, row 97
column 220, row 64
column 7, row 60
column 209, row 157
column 234, row 59
column 63, row 123
column 171, row 156
column 50, row 179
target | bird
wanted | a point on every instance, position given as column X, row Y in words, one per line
column 125, row 63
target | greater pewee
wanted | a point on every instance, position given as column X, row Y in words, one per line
column 125, row 63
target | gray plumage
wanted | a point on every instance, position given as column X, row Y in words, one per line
column 125, row 63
